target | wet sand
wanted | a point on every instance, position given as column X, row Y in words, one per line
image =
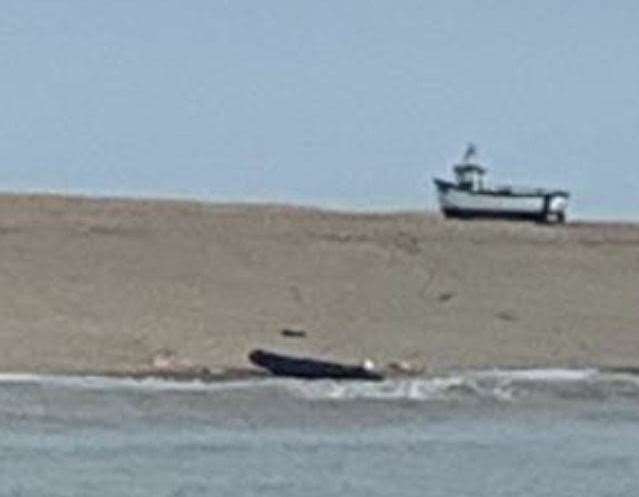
column 106, row 285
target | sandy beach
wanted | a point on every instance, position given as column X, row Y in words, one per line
column 106, row 285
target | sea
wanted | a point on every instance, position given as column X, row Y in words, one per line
column 474, row 433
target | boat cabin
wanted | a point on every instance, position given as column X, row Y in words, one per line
column 470, row 177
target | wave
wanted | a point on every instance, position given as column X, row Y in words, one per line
column 501, row 385
column 497, row 385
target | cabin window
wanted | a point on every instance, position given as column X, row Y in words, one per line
column 470, row 180
column 466, row 185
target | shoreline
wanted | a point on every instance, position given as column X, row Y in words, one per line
column 231, row 376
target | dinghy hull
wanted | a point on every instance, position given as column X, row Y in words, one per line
column 285, row 365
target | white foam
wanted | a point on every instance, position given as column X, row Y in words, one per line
column 497, row 384
column 108, row 383
column 500, row 385
column 22, row 378
column 396, row 389
column 547, row 375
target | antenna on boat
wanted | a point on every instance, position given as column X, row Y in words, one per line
column 471, row 151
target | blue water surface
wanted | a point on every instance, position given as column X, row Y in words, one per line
column 58, row 440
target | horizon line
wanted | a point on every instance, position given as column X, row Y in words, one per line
column 332, row 205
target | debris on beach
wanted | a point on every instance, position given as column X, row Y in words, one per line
column 167, row 363
column 404, row 367
column 445, row 296
column 292, row 333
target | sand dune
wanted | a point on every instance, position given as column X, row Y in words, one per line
column 106, row 284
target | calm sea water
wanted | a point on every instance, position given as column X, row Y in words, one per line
column 529, row 433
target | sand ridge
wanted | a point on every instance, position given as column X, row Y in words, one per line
column 104, row 284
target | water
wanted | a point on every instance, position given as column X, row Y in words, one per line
column 529, row 433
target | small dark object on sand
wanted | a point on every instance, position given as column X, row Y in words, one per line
column 285, row 365
column 293, row 333
column 507, row 316
column 445, row 296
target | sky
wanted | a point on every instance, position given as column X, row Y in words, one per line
column 341, row 104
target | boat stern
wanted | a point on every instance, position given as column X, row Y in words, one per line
column 555, row 206
column 558, row 203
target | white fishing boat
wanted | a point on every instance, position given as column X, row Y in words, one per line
column 468, row 197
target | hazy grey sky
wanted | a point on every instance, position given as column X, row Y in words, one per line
column 335, row 103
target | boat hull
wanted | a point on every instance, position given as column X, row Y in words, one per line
column 539, row 206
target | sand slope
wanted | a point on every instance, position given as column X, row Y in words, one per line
column 105, row 284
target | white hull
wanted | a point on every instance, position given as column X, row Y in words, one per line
column 539, row 205
column 457, row 199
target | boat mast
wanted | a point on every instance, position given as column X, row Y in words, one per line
column 471, row 151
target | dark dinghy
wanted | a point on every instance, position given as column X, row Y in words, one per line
column 284, row 365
